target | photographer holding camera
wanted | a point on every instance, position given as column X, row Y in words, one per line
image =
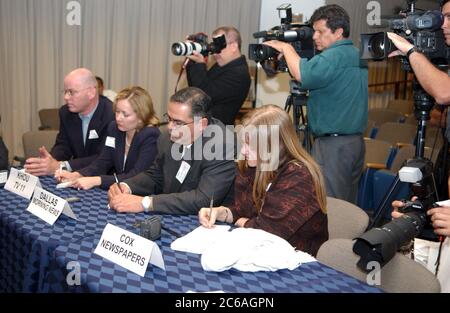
column 338, row 99
column 434, row 81
column 228, row 81
column 431, row 253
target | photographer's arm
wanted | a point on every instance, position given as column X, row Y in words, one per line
column 434, row 81
column 290, row 55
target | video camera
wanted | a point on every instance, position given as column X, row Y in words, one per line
column 422, row 29
column 199, row 42
column 298, row 35
column 381, row 244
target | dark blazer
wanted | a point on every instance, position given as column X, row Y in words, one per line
column 4, row 164
column 69, row 142
column 227, row 86
column 206, row 178
column 141, row 154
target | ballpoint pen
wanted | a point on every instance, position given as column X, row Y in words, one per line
column 117, row 181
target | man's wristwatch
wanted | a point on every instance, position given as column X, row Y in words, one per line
column 410, row 51
column 147, row 203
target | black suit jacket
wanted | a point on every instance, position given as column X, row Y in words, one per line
column 69, row 142
column 227, row 86
column 140, row 156
column 207, row 177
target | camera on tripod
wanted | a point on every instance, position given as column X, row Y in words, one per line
column 199, row 43
column 298, row 35
column 422, row 29
column 381, row 244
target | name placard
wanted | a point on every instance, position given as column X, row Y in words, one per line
column 21, row 183
column 48, row 206
column 129, row 250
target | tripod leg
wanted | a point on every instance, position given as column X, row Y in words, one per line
column 382, row 207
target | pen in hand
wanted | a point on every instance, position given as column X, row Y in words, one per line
column 117, row 182
column 211, row 203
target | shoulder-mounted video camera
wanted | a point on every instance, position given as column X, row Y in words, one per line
column 199, row 42
column 298, row 35
column 422, row 29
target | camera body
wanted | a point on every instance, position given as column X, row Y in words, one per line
column 298, row 35
column 151, row 228
column 199, row 42
column 422, row 29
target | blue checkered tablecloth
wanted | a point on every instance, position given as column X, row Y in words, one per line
column 34, row 255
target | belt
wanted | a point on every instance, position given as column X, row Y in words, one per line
column 336, row 135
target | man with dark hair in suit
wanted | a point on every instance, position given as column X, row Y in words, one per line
column 195, row 163
column 84, row 121
column 227, row 82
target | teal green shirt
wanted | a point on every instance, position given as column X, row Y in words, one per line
column 338, row 90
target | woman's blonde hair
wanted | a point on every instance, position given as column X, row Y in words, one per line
column 141, row 102
column 289, row 150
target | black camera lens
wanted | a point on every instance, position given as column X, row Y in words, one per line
column 259, row 52
column 377, row 45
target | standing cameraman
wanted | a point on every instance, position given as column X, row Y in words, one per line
column 228, row 81
column 437, row 84
column 434, row 81
column 338, row 99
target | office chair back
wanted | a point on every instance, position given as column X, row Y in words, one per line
column 345, row 220
column 400, row 274
column 49, row 119
column 33, row 140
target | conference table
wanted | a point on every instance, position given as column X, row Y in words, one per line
column 38, row 257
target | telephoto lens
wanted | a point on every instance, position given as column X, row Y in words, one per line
column 186, row 48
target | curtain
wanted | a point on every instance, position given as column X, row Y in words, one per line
column 126, row 42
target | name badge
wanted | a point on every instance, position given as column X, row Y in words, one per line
column 110, row 142
column 48, row 206
column 182, row 171
column 21, row 183
column 93, row 134
column 128, row 250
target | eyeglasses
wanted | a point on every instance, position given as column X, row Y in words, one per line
column 71, row 92
column 176, row 123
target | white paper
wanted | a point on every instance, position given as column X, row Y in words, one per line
column 182, row 171
column 199, row 239
column 21, row 183
column 93, row 134
column 129, row 250
column 110, row 142
column 3, row 177
column 64, row 185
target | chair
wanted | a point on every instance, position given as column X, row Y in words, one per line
column 368, row 133
column 345, row 220
column 378, row 155
column 400, row 274
column 397, row 134
column 33, row 140
column 381, row 116
column 49, row 119
column 402, row 106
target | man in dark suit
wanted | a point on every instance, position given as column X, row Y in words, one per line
column 195, row 163
column 84, row 121
column 228, row 81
